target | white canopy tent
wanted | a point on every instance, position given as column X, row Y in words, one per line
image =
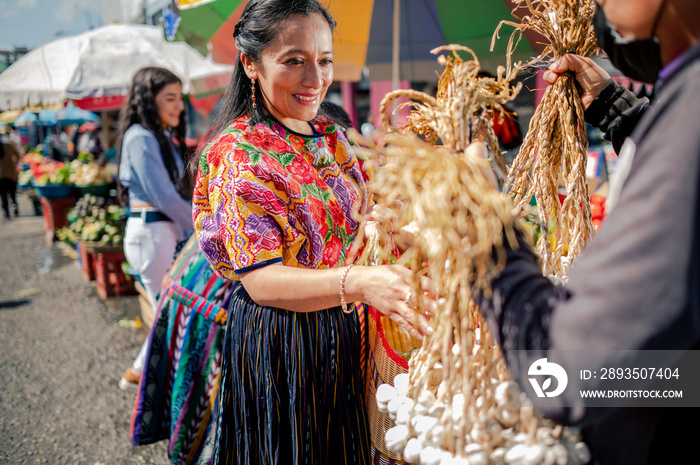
column 101, row 63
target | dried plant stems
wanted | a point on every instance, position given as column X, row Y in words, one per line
column 555, row 146
column 464, row 107
column 459, row 219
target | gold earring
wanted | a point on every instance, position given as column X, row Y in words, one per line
column 252, row 90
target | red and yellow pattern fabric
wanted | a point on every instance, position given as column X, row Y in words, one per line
column 266, row 194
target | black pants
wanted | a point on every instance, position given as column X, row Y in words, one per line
column 8, row 192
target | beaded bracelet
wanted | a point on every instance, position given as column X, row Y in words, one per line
column 343, row 304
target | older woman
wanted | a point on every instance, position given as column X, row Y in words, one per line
column 273, row 207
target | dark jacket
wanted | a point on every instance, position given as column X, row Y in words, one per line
column 636, row 286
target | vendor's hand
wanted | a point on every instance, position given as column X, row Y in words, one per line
column 387, row 288
column 589, row 75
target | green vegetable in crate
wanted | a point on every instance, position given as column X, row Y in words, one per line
column 94, row 221
column 61, row 175
column 67, row 235
column 85, row 157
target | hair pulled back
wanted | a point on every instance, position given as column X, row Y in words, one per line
column 140, row 108
column 257, row 28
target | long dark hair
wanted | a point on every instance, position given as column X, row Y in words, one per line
column 140, row 108
column 257, row 28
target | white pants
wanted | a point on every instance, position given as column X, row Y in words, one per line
column 149, row 248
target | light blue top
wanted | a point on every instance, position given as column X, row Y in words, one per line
column 143, row 172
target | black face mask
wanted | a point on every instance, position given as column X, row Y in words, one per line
column 639, row 59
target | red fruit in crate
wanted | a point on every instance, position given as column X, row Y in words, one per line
column 596, row 223
column 597, row 211
column 597, row 199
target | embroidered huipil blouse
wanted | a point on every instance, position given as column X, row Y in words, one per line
column 265, row 194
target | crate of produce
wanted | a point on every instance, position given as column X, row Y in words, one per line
column 110, row 278
column 55, row 213
column 87, row 261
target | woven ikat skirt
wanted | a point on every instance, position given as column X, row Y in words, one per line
column 292, row 389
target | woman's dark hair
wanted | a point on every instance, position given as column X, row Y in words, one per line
column 335, row 113
column 257, row 28
column 140, row 108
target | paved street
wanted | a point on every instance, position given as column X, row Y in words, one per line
column 62, row 352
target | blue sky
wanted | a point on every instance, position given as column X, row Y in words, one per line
column 31, row 23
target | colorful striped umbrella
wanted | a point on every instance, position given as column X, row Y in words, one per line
column 367, row 33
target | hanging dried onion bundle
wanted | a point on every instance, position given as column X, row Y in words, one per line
column 464, row 107
column 555, row 145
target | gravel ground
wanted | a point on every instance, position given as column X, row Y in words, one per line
column 62, row 352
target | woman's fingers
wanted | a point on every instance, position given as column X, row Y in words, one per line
column 405, row 321
column 415, row 318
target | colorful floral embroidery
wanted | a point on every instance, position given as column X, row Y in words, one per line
column 265, row 194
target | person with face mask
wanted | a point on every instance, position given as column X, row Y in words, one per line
column 635, row 286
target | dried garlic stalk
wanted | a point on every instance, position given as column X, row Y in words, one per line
column 458, row 218
column 458, row 401
column 464, row 107
column 556, row 144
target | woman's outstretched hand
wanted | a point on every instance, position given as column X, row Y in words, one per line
column 388, row 289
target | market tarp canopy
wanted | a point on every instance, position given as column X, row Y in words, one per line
column 71, row 114
column 365, row 33
column 101, row 63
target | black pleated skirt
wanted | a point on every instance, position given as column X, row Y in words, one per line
column 292, row 390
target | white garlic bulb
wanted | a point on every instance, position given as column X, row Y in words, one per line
column 498, row 456
column 507, row 394
column 393, row 406
column 426, row 398
column 448, row 459
column 535, row 454
column 396, row 438
column 403, row 413
column 436, row 410
column 422, row 424
column 385, row 393
column 507, row 416
column 473, row 448
column 401, row 384
column 516, row 455
column 519, row 438
column 430, row 456
column 437, row 435
column 478, row 458
column 411, row 452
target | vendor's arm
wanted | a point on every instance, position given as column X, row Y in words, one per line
column 147, row 166
column 304, row 290
column 609, row 106
column 631, row 288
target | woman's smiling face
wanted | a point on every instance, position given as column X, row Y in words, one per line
column 295, row 70
column 170, row 104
